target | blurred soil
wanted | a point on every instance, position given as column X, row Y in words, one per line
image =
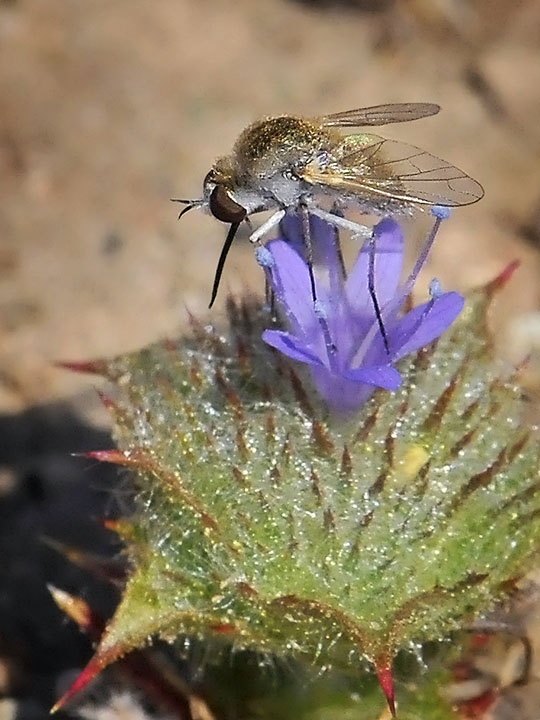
column 110, row 109
column 107, row 110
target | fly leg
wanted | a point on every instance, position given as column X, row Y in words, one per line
column 363, row 231
column 305, row 211
column 272, row 221
column 336, row 212
column 270, row 300
column 306, row 232
column 354, row 228
column 255, row 238
column 372, row 292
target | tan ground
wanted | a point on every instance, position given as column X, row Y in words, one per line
column 108, row 109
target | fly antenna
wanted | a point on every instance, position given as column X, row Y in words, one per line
column 185, row 210
column 190, row 205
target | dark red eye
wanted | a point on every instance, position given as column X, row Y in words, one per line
column 224, row 208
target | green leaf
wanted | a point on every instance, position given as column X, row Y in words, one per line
column 264, row 523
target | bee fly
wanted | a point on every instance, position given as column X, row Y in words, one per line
column 288, row 162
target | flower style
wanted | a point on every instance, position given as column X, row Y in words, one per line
column 339, row 336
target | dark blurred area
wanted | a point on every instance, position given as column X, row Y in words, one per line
column 50, row 502
column 111, row 109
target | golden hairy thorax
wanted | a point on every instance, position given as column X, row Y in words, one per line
column 277, row 160
column 274, row 144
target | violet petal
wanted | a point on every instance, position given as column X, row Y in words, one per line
column 291, row 283
column 290, row 345
column 413, row 332
column 384, row 376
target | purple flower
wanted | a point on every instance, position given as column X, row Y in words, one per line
column 338, row 336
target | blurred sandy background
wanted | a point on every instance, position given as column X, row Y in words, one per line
column 108, row 109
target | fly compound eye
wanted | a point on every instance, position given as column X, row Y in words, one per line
column 224, row 208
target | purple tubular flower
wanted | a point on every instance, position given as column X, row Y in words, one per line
column 339, row 337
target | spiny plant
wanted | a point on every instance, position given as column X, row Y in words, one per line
column 296, row 510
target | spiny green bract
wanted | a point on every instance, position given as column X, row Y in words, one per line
column 263, row 522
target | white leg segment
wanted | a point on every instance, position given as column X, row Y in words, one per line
column 355, row 229
column 272, row 221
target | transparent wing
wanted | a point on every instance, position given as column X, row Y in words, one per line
column 380, row 115
column 394, row 170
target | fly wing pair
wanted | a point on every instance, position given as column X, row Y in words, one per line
column 379, row 169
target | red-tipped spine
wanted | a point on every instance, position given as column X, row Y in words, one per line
column 79, row 611
column 113, row 456
column 88, row 674
column 107, row 401
column 383, row 668
column 91, row 367
column 502, row 278
column 107, row 569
